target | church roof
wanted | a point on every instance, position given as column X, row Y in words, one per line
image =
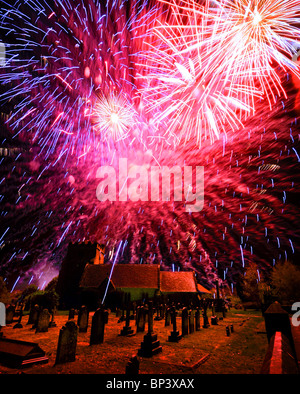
column 139, row 276
column 123, row 276
column 178, row 281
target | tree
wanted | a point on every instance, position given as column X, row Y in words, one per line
column 285, row 282
column 45, row 299
column 51, row 286
column 253, row 285
column 27, row 293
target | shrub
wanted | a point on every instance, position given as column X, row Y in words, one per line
column 45, row 299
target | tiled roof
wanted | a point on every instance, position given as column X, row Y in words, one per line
column 180, row 281
column 123, row 276
column 202, row 289
column 139, row 276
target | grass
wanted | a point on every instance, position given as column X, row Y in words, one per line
column 242, row 352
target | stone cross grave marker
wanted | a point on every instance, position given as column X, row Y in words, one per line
column 174, row 337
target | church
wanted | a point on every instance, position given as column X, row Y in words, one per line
column 86, row 279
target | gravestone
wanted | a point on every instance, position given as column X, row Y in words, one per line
column 205, row 318
column 140, row 319
column 100, row 318
column 10, row 312
column 19, row 324
column 228, row 331
column 214, row 317
column 191, row 321
column 122, row 315
column 67, row 343
column 174, row 337
column 83, row 319
column 167, row 317
column 162, row 311
column 118, row 312
column 33, row 314
column 52, row 322
column 133, row 366
column 133, row 316
column 197, row 319
column 146, row 312
column 127, row 330
column 43, row 321
column 71, row 314
column 151, row 344
column 158, row 316
column 184, row 321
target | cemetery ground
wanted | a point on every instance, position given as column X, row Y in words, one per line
column 208, row 351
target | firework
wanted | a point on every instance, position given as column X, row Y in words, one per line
column 113, row 117
column 187, row 89
column 183, row 82
column 66, row 68
column 209, row 65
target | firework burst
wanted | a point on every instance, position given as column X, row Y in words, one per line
column 66, row 63
column 113, row 117
column 258, row 38
column 208, row 65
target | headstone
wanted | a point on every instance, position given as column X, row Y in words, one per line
column 162, row 311
column 157, row 317
column 43, row 321
column 150, row 344
column 205, row 317
column 167, row 317
column 133, row 316
column 122, row 315
column 185, row 321
column 67, row 343
column 214, row 320
column 197, row 319
column 118, row 312
column 191, row 321
column 213, row 309
column 146, row 312
column 83, row 319
column 10, row 312
column 174, row 337
column 127, row 330
column 140, row 319
column 71, row 314
column 33, row 314
column 19, row 324
column 231, row 328
column 100, row 318
column 228, row 331
column 52, row 322
column 133, row 366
